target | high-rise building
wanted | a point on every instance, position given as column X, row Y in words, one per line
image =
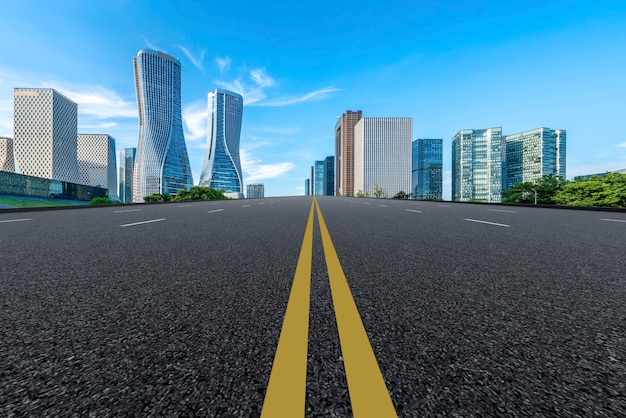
column 96, row 162
column 477, row 165
column 382, row 156
column 534, row 153
column 307, row 187
column 344, row 152
column 46, row 130
column 329, row 176
column 127, row 166
column 427, row 169
column 162, row 163
column 6, row 155
column 318, row 178
column 255, row 191
column 222, row 165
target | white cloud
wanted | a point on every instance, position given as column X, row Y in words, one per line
column 94, row 100
column 195, row 121
column 150, row 44
column 286, row 101
column 103, row 125
column 223, row 63
column 259, row 76
column 195, row 61
column 623, row 145
column 255, row 171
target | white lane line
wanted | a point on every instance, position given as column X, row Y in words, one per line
column 501, row 210
column 144, row 222
column 126, row 210
column 216, row 210
column 184, row 206
column 366, row 203
column 261, row 203
column 413, row 210
column 245, row 206
column 613, row 220
column 444, row 206
column 383, row 206
column 15, row 220
column 488, row 223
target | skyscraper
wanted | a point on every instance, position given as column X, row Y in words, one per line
column 427, row 169
column 127, row 165
column 222, row 166
column 45, row 143
column 382, row 155
column 307, row 187
column 329, row 176
column 534, row 153
column 162, row 163
column 318, row 178
column 6, row 155
column 477, row 165
column 255, row 191
column 344, row 152
column 96, row 162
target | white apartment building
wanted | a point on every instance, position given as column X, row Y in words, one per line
column 45, row 134
column 6, row 155
column 382, row 155
column 96, row 162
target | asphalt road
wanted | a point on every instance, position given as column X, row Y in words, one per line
column 176, row 309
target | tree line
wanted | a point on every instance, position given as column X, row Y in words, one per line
column 608, row 190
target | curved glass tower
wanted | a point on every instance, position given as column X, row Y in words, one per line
column 222, row 167
column 162, row 163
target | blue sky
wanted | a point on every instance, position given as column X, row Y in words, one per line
column 449, row 65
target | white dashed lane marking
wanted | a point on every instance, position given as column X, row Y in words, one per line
column 15, row 220
column 488, row 223
column 144, row 222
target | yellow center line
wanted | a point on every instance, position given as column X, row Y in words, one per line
column 286, row 390
column 368, row 392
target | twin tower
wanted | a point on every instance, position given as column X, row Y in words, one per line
column 162, row 163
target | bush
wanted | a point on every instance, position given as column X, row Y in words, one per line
column 102, row 201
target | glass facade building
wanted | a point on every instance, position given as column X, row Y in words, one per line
column 255, row 191
column 329, row 176
column 222, row 166
column 382, row 155
column 477, row 165
column 21, row 185
column 427, row 169
column 534, row 153
column 162, row 163
column 127, row 165
column 318, row 178
column 307, row 187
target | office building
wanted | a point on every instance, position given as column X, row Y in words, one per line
column 6, row 155
column 162, row 163
column 96, row 162
column 127, row 166
column 477, row 165
column 318, row 178
column 329, row 176
column 307, row 187
column 344, row 152
column 255, row 191
column 382, row 156
column 533, row 154
column 222, row 166
column 427, row 169
column 45, row 128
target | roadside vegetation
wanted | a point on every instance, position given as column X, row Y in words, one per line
column 103, row 201
column 608, row 190
column 195, row 193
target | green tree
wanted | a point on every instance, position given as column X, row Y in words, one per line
column 607, row 190
column 378, row 192
column 156, row 197
column 402, row 195
column 360, row 193
column 546, row 188
column 102, row 201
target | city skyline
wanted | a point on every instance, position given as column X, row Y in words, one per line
column 448, row 67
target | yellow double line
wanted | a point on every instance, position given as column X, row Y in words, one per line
column 286, row 391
